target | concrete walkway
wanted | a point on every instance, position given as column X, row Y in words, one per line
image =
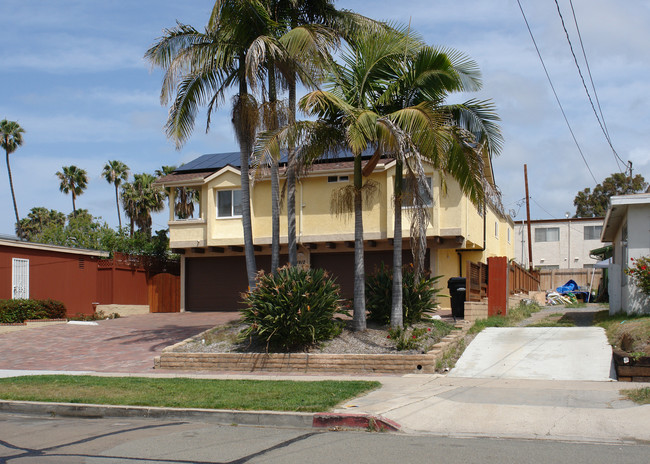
column 545, row 353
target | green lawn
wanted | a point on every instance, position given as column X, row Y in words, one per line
column 270, row 395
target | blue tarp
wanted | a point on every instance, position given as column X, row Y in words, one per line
column 570, row 286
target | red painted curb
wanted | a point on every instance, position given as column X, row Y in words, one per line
column 357, row 421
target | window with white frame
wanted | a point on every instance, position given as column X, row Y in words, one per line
column 426, row 193
column 20, row 279
column 228, row 203
column 508, row 234
column 496, row 229
column 547, row 234
column 592, row 232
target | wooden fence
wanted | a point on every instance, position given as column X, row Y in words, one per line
column 164, row 292
column 550, row 279
column 522, row 281
column 127, row 279
column 476, row 283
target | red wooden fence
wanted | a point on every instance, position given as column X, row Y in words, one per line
column 164, row 293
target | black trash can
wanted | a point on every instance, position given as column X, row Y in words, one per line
column 456, row 286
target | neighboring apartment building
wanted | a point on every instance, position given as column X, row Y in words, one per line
column 211, row 245
column 559, row 243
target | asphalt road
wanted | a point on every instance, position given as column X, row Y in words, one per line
column 27, row 439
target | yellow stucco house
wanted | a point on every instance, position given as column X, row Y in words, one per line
column 213, row 271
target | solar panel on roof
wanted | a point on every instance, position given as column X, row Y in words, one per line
column 219, row 160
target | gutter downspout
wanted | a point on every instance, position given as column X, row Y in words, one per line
column 460, row 250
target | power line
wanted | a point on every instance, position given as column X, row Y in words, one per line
column 575, row 60
column 554, row 92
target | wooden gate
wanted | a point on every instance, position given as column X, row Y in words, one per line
column 164, row 292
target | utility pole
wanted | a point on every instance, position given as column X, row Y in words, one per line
column 530, row 243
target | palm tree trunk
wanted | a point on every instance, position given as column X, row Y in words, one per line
column 359, row 314
column 275, row 176
column 117, row 202
column 244, row 154
column 13, row 196
column 74, row 207
column 396, row 313
column 291, row 182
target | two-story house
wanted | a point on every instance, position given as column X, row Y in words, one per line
column 559, row 243
column 213, row 273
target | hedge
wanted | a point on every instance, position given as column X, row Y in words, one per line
column 16, row 311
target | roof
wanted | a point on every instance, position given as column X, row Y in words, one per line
column 617, row 212
column 543, row 221
column 56, row 248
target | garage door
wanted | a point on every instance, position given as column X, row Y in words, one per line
column 341, row 265
column 216, row 283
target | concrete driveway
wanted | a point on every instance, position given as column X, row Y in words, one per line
column 544, row 353
column 126, row 344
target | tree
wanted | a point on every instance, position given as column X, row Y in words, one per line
column 115, row 172
column 140, row 198
column 594, row 204
column 12, row 138
column 427, row 78
column 369, row 108
column 73, row 181
column 200, row 67
column 38, row 219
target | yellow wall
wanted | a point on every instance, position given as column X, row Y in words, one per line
column 452, row 214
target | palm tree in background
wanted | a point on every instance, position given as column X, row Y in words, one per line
column 12, row 138
column 115, row 172
column 140, row 198
column 73, row 181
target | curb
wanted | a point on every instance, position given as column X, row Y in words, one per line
column 219, row 416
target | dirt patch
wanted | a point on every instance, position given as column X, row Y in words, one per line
column 375, row 340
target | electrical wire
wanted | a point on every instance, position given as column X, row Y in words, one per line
column 555, row 93
column 584, row 84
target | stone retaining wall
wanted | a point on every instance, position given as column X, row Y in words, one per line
column 312, row 363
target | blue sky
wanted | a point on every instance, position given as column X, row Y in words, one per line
column 74, row 77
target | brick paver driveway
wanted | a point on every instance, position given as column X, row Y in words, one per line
column 126, row 344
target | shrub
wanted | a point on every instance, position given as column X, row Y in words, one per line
column 16, row 311
column 418, row 298
column 292, row 309
column 640, row 273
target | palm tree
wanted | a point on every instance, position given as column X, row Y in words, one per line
column 12, row 138
column 428, row 78
column 140, row 198
column 200, row 68
column 115, row 172
column 367, row 108
column 73, row 181
column 37, row 220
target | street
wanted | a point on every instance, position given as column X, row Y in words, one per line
column 32, row 439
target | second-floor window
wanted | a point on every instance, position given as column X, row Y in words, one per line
column 228, row 203
column 593, row 232
column 547, row 234
column 425, row 194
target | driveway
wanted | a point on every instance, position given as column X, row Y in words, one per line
column 126, row 344
column 545, row 353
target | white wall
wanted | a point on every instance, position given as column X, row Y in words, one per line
column 571, row 251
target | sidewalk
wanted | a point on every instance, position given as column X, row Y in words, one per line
column 582, row 411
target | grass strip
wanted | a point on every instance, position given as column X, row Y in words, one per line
column 640, row 395
column 268, row 395
column 515, row 315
